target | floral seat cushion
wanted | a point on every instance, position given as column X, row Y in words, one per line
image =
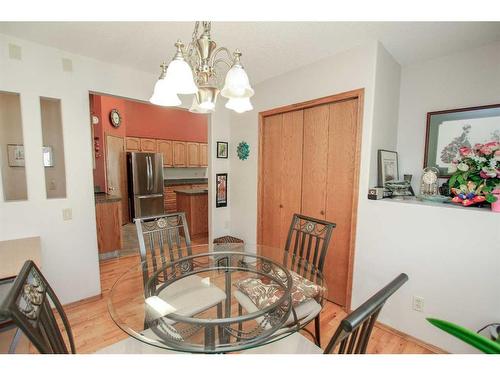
column 264, row 291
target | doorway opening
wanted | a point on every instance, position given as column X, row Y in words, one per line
column 147, row 160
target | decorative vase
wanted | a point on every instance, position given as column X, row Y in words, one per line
column 495, row 206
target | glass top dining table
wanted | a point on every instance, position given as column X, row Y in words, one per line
column 221, row 298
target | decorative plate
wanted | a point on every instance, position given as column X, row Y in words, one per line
column 243, row 150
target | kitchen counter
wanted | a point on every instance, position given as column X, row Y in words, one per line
column 106, row 198
column 184, row 181
column 191, row 191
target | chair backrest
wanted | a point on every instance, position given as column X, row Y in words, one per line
column 28, row 304
column 354, row 331
column 307, row 242
column 166, row 239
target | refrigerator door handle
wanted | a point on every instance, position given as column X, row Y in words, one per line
column 149, row 196
column 148, row 169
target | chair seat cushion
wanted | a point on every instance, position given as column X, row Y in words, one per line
column 264, row 291
column 188, row 296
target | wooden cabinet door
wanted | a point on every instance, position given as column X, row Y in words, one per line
column 165, row 148
column 342, row 156
column 179, row 153
column 315, row 161
column 132, row 144
column 203, row 155
column 270, row 217
column 291, row 170
column 148, row 145
column 193, row 154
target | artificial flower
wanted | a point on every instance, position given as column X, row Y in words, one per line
column 486, row 150
column 452, row 168
column 488, row 172
column 465, row 151
column 463, row 167
column 497, row 155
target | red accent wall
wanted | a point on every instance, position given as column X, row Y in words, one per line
column 142, row 120
column 151, row 121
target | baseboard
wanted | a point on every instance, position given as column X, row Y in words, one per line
column 424, row 344
column 83, row 301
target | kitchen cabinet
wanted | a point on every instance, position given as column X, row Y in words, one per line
column 193, row 154
column 132, row 144
column 203, row 155
column 194, row 203
column 319, row 147
column 165, row 148
column 170, row 199
column 179, row 154
column 148, row 145
column 108, row 221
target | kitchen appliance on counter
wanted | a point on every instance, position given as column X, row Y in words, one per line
column 145, row 184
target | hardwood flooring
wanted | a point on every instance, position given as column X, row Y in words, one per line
column 94, row 329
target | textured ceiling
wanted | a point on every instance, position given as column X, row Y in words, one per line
column 269, row 48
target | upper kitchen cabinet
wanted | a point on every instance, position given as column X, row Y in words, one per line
column 133, row 144
column 148, row 145
column 193, row 154
column 203, row 155
column 179, row 154
column 165, row 148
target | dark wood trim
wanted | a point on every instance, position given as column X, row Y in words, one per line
column 353, row 94
column 428, row 125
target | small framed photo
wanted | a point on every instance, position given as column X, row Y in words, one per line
column 387, row 167
column 221, row 190
column 48, row 156
column 15, row 155
column 222, row 150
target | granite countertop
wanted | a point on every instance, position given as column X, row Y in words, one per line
column 106, row 198
column 184, row 181
column 191, row 191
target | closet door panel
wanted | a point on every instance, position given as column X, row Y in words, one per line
column 271, row 175
column 291, row 170
column 315, row 161
column 340, row 180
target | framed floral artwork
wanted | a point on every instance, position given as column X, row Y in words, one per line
column 222, row 150
column 15, row 155
column 221, row 190
column 450, row 130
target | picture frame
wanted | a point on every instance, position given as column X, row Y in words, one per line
column 48, row 156
column 221, row 190
column 388, row 168
column 15, row 155
column 222, row 150
column 449, row 130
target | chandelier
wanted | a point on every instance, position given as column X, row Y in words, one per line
column 198, row 69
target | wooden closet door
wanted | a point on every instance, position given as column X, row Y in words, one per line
column 315, row 161
column 271, row 180
column 342, row 152
column 291, row 170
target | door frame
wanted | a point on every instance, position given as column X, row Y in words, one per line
column 354, row 94
column 124, row 199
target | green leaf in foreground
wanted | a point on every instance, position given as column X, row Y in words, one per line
column 470, row 337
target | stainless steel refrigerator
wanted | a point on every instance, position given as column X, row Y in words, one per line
column 145, row 184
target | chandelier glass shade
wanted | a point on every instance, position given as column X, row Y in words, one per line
column 198, row 69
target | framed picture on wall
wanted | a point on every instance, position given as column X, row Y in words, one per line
column 388, row 169
column 222, row 150
column 221, row 190
column 15, row 155
column 449, row 130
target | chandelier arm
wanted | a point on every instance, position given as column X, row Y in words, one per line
column 222, row 61
column 217, row 51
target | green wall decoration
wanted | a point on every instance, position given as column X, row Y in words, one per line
column 243, row 150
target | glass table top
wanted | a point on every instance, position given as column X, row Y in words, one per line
column 221, row 298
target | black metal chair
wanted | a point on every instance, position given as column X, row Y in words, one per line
column 166, row 239
column 305, row 249
column 28, row 304
column 352, row 335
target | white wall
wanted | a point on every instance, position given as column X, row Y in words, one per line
column 69, row 248
column 353, row 69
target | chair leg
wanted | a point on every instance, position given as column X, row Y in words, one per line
column 220, row 328
column 240, row 324
column 317, row 331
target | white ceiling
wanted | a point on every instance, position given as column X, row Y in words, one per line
column 269, row 48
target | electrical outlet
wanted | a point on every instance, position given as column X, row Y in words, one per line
column 418, row 304
column 67, row 214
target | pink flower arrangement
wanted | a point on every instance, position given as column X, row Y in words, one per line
column 476, row 173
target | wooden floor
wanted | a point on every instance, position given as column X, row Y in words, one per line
column 93, row 328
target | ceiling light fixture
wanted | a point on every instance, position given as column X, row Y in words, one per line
column 197, row 70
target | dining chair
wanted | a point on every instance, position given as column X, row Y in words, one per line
column 352, row 335
column 35, row 309
column 163, row 239
column 306, row 247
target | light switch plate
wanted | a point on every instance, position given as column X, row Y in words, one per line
column 15, row 52
column 67, row 214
